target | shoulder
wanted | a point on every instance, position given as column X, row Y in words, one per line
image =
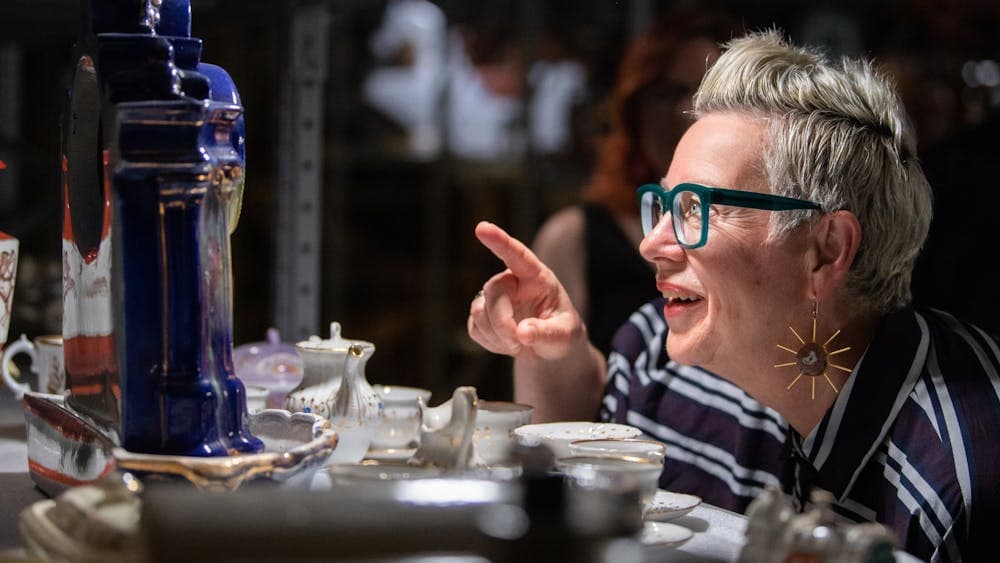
column 561, row 232
column 946, row 433
column 955, row 377
column 959, row 350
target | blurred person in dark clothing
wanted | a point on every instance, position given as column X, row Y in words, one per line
column 593, row 247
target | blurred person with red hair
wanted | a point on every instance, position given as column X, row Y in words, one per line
column 592, row 247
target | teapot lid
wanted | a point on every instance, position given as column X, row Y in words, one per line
column 271, row 345
column 336, row 342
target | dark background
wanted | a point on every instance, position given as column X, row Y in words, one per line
column 387, row 283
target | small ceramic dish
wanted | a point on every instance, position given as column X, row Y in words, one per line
column 558, row 435
column 666, row 505
column 649, row 449
column 664, row 534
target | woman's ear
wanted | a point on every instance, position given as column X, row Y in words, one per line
column 836, row 238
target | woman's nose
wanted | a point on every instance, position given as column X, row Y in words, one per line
column 661, row 242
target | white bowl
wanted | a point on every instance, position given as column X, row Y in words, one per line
column 558, row 435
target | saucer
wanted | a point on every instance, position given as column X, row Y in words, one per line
column 663, row 534
column 667, row 506
column 390, row 454
column 558, row 435
column 377, row 471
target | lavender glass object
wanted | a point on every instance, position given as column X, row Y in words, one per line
column 272, row 364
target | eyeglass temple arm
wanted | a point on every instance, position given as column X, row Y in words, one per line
column 760, row 201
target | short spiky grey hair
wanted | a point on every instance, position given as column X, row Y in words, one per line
column 837, row 135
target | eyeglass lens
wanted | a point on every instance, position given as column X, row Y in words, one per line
column 686, row 215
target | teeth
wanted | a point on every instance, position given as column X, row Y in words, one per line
column 681, row 296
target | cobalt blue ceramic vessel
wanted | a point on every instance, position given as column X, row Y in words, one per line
column 153, row 162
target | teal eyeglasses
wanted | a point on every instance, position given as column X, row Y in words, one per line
column 688, row 204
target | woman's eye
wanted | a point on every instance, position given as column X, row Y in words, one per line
column 692, row 211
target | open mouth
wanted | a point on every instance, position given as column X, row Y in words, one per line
column 678, row 302
column 681, row 298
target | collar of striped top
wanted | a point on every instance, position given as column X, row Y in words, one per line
column 857, row 423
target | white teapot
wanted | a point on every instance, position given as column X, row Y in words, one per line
column 324, row 362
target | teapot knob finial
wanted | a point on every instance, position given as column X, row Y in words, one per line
column 273, row 336
column 334, row 330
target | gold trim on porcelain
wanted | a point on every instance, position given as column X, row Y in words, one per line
column 322, row 346
column 50, row 340
column 226, row 474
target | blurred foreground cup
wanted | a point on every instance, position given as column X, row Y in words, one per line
column 613, row 474
column 603, row 447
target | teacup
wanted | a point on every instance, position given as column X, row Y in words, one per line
column 613, row 474
column 649, row 449
column 46, row 353
column 8, row 275
column 400, row 426
column 495, row 422
column 257, row 397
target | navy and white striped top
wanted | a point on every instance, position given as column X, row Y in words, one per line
column 911, row 441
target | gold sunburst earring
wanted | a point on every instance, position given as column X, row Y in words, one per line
column 812, row 359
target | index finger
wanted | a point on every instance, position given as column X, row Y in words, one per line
column 519, row 258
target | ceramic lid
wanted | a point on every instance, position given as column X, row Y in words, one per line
column 272, row 363
column 256, row 350
column 336, row 342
